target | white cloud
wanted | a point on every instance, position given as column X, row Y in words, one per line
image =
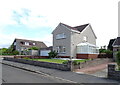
column 101, row 14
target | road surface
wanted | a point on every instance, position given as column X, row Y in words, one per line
column 15, row 75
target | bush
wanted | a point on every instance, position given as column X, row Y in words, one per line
column 65, row 62
column 53, row 54
column 118, row 60
column 73, row 62
column 15, row 52
column 33, row 48
column 76, row 62
column 26, row 58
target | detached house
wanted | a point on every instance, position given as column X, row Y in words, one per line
column 22, row 44
column 77, row 42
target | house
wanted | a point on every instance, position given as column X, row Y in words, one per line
column 110, row 47
column 116, row 47
column 22, row 45
column 76, row 42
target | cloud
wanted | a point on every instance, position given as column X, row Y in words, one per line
column 6, row 40
column 26, row 17
column 18, row 16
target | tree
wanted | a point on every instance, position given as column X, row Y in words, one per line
column 8, row 51
column 53, row 54
column 118, row 59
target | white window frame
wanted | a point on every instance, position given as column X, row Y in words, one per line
column 27, row 43
column 61, row 49
column 60, row 36
column 33, row 43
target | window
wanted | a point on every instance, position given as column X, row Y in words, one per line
column 33, row 43
column 26, row 43
column 60, row 36
column 15, row 43
column 61, row 49
column 64, row 49
column 84, row 39
column 57, row 49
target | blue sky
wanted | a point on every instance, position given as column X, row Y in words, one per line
column 36, row 19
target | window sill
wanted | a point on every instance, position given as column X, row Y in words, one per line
column 60, row 38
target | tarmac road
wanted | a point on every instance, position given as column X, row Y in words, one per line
column 15, row 75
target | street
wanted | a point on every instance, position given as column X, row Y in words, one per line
column 15, row 75
column 11, row 74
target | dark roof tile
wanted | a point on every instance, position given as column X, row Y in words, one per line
column 117, row 41
column 78, row 28
column 38, row 44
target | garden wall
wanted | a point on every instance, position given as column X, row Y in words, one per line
column 112, row 73
column 29, row 56
column 93, row 62
column 63, row 67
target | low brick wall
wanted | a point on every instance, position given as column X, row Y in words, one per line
column 112, row 73
column 11, row 56
column 63, row 67
column 86, row 56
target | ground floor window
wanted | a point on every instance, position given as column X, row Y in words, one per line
column 86, row 48
column 61, row 49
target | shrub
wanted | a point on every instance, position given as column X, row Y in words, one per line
column 26, row 58
column 118, row 60
column 73, row 62
column 33, row 48
column 76, row 62
column 53, row 54
column 65, row 62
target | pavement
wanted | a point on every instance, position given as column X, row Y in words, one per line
column 71, row 77
column 99, row 70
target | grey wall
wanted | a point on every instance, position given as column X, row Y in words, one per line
column 63, row 67
column 62, row 42
column 77, row 38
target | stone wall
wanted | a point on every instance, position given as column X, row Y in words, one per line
column 29, row 56
column 93, row 62
column 112, row 73
column 63, row 67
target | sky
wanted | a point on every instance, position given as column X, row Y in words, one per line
column 36, row 19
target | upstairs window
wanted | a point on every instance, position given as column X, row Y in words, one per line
column 60, row 36
column 33, row 43
column 26, row 43
column 84, row 38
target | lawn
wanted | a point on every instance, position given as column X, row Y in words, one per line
column 56, row 60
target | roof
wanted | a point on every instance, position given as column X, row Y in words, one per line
column 78, row 28
column 117, row 41
column 38, row 44
column 110, row 44
column 48, row 48
column 86, row 44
